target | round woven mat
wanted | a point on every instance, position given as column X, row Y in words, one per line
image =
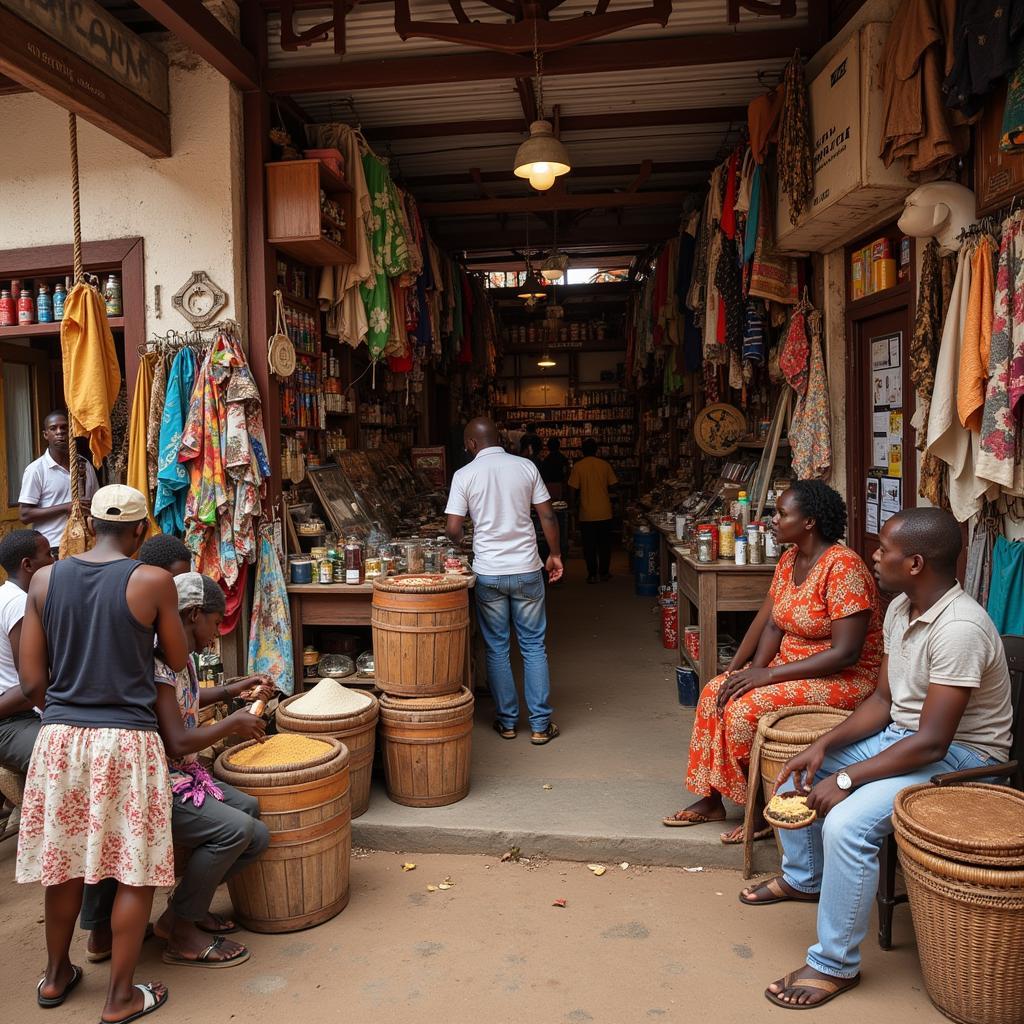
column 420, row 583
column 448, row 700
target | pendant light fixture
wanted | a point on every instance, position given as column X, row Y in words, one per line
column 554, row 267
column 542, row 157
column 533, row 287
column 552, row 324
column 546, row 362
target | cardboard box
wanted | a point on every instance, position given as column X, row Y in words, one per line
column 853, row 191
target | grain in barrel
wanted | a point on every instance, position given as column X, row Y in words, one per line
column 302, row 786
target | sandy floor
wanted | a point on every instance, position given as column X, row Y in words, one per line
column 636, row 945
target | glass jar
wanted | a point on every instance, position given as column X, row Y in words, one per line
column 705, row 544
column 373, row 566
column 727, row 538
column 431, row 557
column 353, row 561
column 413, row 556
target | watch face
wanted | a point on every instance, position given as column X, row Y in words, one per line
column 843, row 781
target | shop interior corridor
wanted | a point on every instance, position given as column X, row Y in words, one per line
column 615, row 771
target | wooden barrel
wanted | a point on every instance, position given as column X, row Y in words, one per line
column 420, row 634
column 427, row 743
column 358, row 732
column 302, row 879
column 785, row 735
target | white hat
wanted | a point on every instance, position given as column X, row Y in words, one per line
column 190, row 590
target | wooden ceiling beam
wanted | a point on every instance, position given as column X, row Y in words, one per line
column 594, row 58
column 514, row 237
column 546, row 203
column 197, row 28
column 567, row 123
column 604, row 171
column 9, row 87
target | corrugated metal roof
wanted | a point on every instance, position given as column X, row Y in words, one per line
column 370, row 28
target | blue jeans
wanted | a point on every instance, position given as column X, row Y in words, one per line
column 501, row 602
column 838, row 856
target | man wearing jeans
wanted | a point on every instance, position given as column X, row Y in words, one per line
column 942, row 705
column 497, row 491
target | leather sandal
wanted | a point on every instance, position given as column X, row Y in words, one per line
column 538, row 739
column 779, row 894
column 831, row 988
column 505, row 732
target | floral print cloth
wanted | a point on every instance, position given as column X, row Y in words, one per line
column 810, row 432
column 97, row 805
column 838, row 585
column 1000, row 426
column 270, row 630
column 172, row 476
column 225, row 447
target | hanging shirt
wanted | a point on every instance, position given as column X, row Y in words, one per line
column 977, row 341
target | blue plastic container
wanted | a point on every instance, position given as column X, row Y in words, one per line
column 688, row 686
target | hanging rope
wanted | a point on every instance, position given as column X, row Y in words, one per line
column 76, row 196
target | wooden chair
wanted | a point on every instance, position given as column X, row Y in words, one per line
column 1012, row 771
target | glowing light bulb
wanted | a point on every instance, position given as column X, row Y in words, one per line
column 542, row 176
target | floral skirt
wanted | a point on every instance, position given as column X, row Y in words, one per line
column 97, row 805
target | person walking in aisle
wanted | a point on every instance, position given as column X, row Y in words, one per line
column 98, row 795
column 22, row 553
column 45, row 500
column 497, row 490
column 554, row 469
column 590, row 478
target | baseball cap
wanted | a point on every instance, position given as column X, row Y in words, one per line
column 118, row 503
column 190, row 590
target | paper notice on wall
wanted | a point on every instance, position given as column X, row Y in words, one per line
column 895, row 460
column 871, row 517
column 885, row 515
column 895, row 427
column 892, row 495
column 880, row 451
column 880, row 423
column 887, row 388
column 880, row 353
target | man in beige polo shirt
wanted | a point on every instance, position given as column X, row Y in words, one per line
column 942, row 704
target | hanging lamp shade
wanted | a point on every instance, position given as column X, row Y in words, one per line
column 541, row 157
column 533, row 288
column 554, row 267
column 546, row 362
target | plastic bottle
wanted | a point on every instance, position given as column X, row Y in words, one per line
column 744, row 504
column 44, row 306
column 59, row 295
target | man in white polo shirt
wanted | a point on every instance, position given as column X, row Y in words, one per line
column 498, row 490
column 45, row 500
column 942, row 705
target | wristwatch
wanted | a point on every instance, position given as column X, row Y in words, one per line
column 844, row 782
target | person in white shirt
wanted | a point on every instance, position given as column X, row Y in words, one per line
column 942, row 705
column 21, row 554
column 498, row 490
column 45, row 500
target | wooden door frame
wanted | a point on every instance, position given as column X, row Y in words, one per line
column 40, row 366
column 903, row 295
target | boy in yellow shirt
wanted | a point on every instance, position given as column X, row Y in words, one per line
column 591, row 478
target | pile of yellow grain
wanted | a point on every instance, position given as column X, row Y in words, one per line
column 284, row 748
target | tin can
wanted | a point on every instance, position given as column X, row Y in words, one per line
column 687, row 686
column 670, row 625
column 302, row 570
column 705, row 544
column 8, row 310
column 691, row 641
column 26, row 308
column 771, row 546
column 727, row 538
column 310, row 663
column 740, row 554
column 339, row 570
column 112, row 296
column 326, row 571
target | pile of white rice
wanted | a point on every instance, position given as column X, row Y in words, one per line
column 329, row 697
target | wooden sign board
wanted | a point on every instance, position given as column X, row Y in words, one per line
column 29, row 55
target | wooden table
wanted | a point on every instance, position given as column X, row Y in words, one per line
column 710, row 588
column 335, row 604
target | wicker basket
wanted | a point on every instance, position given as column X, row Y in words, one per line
column 970, row 933
column 421, row 583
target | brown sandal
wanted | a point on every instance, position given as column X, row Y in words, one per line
column 692, row 818
column 761, row 833
column 828, row 986
column 779, row 894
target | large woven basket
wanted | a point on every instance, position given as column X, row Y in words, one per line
column 970, row 935
column 421, row 583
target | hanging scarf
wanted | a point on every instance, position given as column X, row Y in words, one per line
column 196, row 785
column 270, row 632
column 810, row 432
column 753, row 333
column 794, row 359
column 796, row 166
column 136, row 469
column 171, row 475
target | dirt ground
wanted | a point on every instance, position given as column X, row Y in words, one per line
column 634, row 945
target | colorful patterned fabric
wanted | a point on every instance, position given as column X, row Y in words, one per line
column 838, row 585
column 270, row 631
column 97, row 805
column 375, row 292
column 794, row 359
column 810, row 432
column 156, row 412
column 796, row 167
column 226, row 448
column 1000, row 427
column 172, row 477
column 186, row 691
column 1012, row 138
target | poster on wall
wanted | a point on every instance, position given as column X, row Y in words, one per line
column 892, row 495
column 872, row 494
column 885, row 351
column 887, row 404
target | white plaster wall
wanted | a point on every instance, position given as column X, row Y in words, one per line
column 189, row 207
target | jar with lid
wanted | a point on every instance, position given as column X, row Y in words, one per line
column 431, row 557
column 373, row 566
column 353, row 561
column 771, row 545
column 112, row 296
column 726, row 537
column 325, row 572
column 705, row 544
column 413, row 555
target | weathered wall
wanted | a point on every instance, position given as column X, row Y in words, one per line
column 188, row 208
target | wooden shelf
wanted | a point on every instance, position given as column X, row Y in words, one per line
column 295, row 426
column 294, row 216
column 50, row 330
column 297, row 300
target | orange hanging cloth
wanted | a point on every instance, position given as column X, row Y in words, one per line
column 92, row 376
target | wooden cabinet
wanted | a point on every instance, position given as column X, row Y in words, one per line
column 998, row 176
column 301, row 218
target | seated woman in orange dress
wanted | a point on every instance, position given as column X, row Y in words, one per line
column 816, row 640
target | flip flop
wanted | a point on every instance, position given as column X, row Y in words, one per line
column 223, row 929
column 503, row 732
column 762, row 833
column 695, row 818
column 104, row 955
column 779, row 895
column 150, row 1003
column 832, row 988
column 52, row 1002
column 203, row 960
